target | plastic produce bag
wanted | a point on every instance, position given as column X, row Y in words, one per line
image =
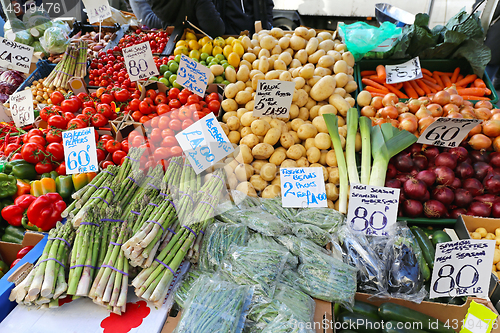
column 325, row 218
column 361, row 38
column 55, row 40
column 275, row 207
column 285, row 322
column 215, row 306
column 184, row 290
column 263, row 222
column 259, row 241
column 311, row 232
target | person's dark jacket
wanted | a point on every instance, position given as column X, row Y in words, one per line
column 493, row 37
column 142, row 9
column 240, row 15
column 201, row 13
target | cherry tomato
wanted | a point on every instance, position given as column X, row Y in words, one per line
column 61, row 169
column 14, row 263
column 144, row 119
column 174, row 103
column 47, row 112
column 154, row 122
column 173, row 93
column 174, row 114
column 68, row 116
column 125, row 145
column 186, row 123
column 198, row 115
column 137, row 141
column 56, row 97
column 118, row 155
column 43, row 167
column 24, row 251
column 84, row 117
column 212, row 97
column 167, row 132
column 56, row 151
column 175, row 125
column 106, row 164
column 183, row 96
column 84, row 97
column 112, row 146
column 101, row 155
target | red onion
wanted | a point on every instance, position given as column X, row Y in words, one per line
column 454, row 214
column 391, row 171
column 412, row 208
column 478, row 156
column 431, row 152
column 434, row 209
column 464, row 170
column 444, row 175
column 474, row 186
column 460, row 152
column 403, row 162
column 414, row 188
column 427, row 176
column 446, row 159
column 420, row 162
column 443, row 194
column 492, row 183
column 402, row 177
column 481, row 169
column 488, row 199
column 457, row 183
column 495, row 210
column 415, row 148
column 394, row 183
column 463, row 198
column 426, row 197
column 468, row 160
column 479, row 209
column 495, row 159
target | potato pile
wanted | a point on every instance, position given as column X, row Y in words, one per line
column 41, row 94
column 482, row 233
column 322, row 70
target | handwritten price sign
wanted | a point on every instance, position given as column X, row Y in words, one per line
column 21, row 108
column 406, row 71
column 97, row 10
column 372, row 209
column 80, row 152
column 303, row 187
column 447, row 132
column 15, row 55
column 462, row 268
column 193, row 76
column 204, row 143
column 139, row 62
column 273, row 98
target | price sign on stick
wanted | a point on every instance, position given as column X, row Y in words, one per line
column 447, row 132
column 97, row 10
column 80, row 151
column 139, row 62
column 15, row 55
column 193, row 75
column 21, row 108
column 273, row 98
column 462, row 268
column 372, row 209
column 303, row 187
column 204, row 143
column 406, row 71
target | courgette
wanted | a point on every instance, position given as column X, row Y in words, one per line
column 425, row 245
column 392, row 327
column 391, row 311
column 440, row 236
column 360, row 322
column 366, row 309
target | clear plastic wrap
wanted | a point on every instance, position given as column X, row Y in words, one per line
column 244, row 201
column 183, row 291
column 291, row 242
column 263, row 222
column 216, row 242
column 55, row 40
column 274, row 206
column 259, row 241
column 286, row 322
column 325, row 218
column 215, row 306
column 299, row 302
column 311, row 232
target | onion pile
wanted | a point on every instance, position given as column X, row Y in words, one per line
column 445, row 183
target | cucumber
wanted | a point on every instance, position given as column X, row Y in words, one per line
column 391, row 311
column 425, row 245
column 440, row 237
column 392, row 327
column 366, row 309
column 361, row 323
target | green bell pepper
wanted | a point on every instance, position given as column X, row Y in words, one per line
column 64, row 186
column 13, row 235
column 52, row 174
column 8, row 186
column 21, row 169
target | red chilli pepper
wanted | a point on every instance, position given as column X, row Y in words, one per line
column 46, row 211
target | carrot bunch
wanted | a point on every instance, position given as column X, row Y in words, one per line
column 470, row 87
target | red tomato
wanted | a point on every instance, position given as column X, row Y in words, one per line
column 212, row 97
column 145, row 107
column 176, row 151
column 174, row 114
column 193, row 99
column 89, row 111
column 88, row 104
column 154, row 122
column 155, row 135
column 33, row 132
column 84, row 117
column 185, row 112
column 56, row 150
column 121, row 95
column 56, row 97
column 98, row 120
column 107, row 98
column 68, row 116
column 76, row 124
column 37, row 139
column 101, row 155
column 32, row 152
column 43, row 167
column 144, row 119
column 173, row 93
column 161, row 153
column 163, row 122
column 84, row 97
column 106, row 137
column 70, row 105
column 118, row 155
column 161, row 98
column 183, row 96
column 174, row 103
column 167, row 132
column 137, row 141
column 162, row 109
column 150, row 164
column 169, row 141
column 47, row 112
column 186, row 123
column 214, row 106
column 11, row 147
column 106, row 164
column 151, row 94
column 125, row 145
column 136, row 115
column 112, row 146
column 198, row 115
column 134, row 104
column 175, row 125
column 105, row 110
column 54, row 135
column 61, row 169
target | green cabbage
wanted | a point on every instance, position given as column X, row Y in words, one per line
column 54, row 40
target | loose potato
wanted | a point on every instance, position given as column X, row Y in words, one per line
column 243, row 97
column 496, row 256
column 271, row 191
column 243, row 73
column 490, row 236
column 323, row 89
column 276, row 123
column 234, row 137
column 310, row 103
column 294, row 152
column 303, row 162
column 246, row 188
column 295, row 137
column 340, row 47
column 262, row 151
column 308, row 143
column 276, row 181
column 312, row 81
column 233, row 123
column 312, row 46
column 320, row 71
column 224, row 128
column 245, row 131
column 307, row 71
column 475, row 235
column 240, row 85
column 341, row 79
column 313, row 155
column 328, row 108
column 286, row 58
column 301, row 56
column 326, row 45
column 331, row 158
column 294, row 111
column 302, row 97
column 264, row 53
column 340, row 67
column 257, row 165
column 272, row 136
column 332, row 192
column 250, row 140
column 268, row 42
column 250, row 57
column 230, row 74
column 351, row 86
column 320, row 124
column 333, row 176
column 229, row 104
column 260, row 127
column 299, row 82
column 228, row 115
column 326, row 61
column 340, row 104
column 348, row 58
column 335, row 54
column 284, row 42
column 482, row 232
column 287, row 140
column 243, row 172
column 357, row 143
column 247, row 119
column 244, row 155
column 288, row 163
column 323, row 141
column 217, row 70
column 258, row 183
column 314, row 111
column 278, row 156
column 297, row 43
column 268, row 171
column 231, row 90
column 306, row 131
column 249, row 106
column 296, row 123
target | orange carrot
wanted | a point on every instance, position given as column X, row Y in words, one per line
column 438, row 80
column 454, row 76
column 415, row 86
column 368, row 73
column 460, row 77
column 432, row 85
column 479, row 83
column 374, row 84
column 467, row 79
column 487, row 91
column 376, row 79
column 446, row 80
column 475, row 98
column 381, row 72
column 444, row 73
column 426, row 72
column 396, row 91
column 423, row 86
column 472, row 91
column 429, row 78
column 409, row 90
column 373, row 89
column 377, row 94
column 399, row 86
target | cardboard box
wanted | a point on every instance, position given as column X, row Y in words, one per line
column 8, row 252
column 322, row 314
column 446, row 313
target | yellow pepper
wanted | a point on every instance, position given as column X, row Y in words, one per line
column 44, row 186
column 82, row 179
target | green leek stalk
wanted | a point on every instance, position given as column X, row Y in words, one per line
column 365, row 126
column 350, row 146
column 332, row 125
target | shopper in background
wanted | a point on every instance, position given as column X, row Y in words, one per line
column 142, row 9
column 240, row 15
column 120, row 5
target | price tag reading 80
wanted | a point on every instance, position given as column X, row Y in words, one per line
column 447, row 132
column 80, row 151
column 139, row 61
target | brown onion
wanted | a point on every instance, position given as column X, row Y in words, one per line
column 415, row 104
column 388, row 112
column 495, row 116
column 454, row 115
column 377, row 102
column 423, row 112
column 491, row 128
column 468, row 114
column 378, row 121
column 448, row 108
column 402, row 107
column 424, row 123
column 368, row 111
column 484, row 104
column 456, row 99
column 451, row 90
column 495, row 111
column 479, row 141
column 482, row 113
column 496, row 143
column 390, row 99
column 475, row 130
column 408, row 124
column 442, row 98
column 435, row 109
column 394, row 122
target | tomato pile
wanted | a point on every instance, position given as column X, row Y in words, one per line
column 157, row 40
column 118, row 150
column 108, row 69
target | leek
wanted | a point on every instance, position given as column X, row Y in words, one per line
column 387, row 141
column 365, row 126
column 331, row 121
column 350, row 146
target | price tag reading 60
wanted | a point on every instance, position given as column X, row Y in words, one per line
column 80, row 151
column 447, row 132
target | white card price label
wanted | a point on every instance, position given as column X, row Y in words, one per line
column 21, row 108
column 303, row 187
column 193, row 76
column 80, row 152
column 372, row 209
column 139, row 62
column 406, row 71
column 97, row 10
column 462, row 268
column 447, row 132
column 273, row 98
column 204, row 143
column 15, row 55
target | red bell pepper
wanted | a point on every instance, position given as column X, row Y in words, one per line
column 13, row 214
column 46, row 211
column 24, row 251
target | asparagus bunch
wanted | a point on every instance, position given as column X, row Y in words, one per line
column 49, row 80
column 81, row 64
column 189, row 185
column 172, row 174
column 73, row 63
column 152, row 283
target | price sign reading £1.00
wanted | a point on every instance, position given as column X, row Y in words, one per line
column 21, row 108
column 462, row 268
column 15, row 55
column 97, row 10
column 303, row 187
column 273, row 98
column 447, row 132
column 80, row 151
column 406, row 71
column 139, row 62
column 193, row 76
column 372, row 209
column 204, row 143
